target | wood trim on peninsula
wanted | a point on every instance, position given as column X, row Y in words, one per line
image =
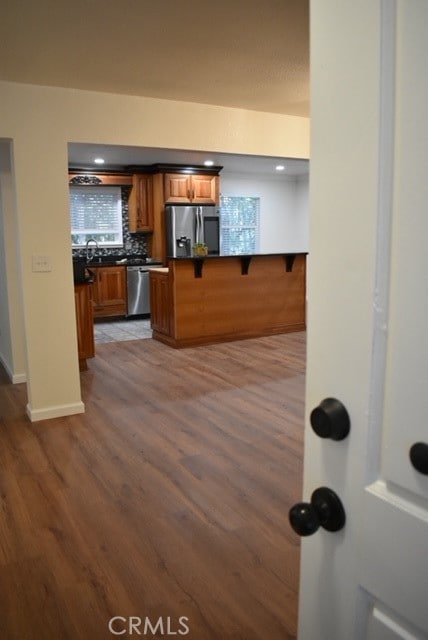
column 229, row 300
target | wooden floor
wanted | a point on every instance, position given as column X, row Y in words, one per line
column 167, row 498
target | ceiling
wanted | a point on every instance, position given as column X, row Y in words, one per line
column 251, row 54
column 117, row 157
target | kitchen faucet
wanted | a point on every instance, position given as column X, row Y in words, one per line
column 88, row 259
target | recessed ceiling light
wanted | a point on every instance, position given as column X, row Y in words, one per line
column 99, row 160
column 209, row 163
column 280, row 167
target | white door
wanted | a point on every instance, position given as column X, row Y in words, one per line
column 368, row 318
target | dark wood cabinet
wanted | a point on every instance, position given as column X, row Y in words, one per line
column 201, row 301
column 196, row 189
column 160, row 301
column 84, row 323
column 140, row 204
column 109, row 291
column 205, row 189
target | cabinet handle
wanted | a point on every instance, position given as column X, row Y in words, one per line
column 188, row 194
column 193, row 194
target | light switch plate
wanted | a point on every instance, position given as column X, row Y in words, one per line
column 42, row 263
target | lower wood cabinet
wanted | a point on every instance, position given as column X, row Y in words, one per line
column 109, row 291
column 160, row 306
column 208, row 300
column 84, row 323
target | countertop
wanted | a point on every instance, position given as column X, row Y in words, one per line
column 118, row 262
column 241, row 255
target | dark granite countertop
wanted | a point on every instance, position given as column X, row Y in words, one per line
column 112, row 261
column 241, row 255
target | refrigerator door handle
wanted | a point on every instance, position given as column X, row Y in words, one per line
column 202, row 225
column 199, row 225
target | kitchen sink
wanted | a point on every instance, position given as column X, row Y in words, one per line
column 121, row 259
column 105, row 260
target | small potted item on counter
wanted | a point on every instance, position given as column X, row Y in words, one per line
column 200, row 249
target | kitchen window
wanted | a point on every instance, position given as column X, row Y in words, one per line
column 239, row 225
column 96, row 212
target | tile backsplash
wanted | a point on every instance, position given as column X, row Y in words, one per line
column 133, row 243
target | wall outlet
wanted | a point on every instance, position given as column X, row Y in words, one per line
column 42, row 263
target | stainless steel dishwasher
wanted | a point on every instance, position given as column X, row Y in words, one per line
column 138, row 290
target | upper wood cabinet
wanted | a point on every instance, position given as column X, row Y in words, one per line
column 140, row 204
column 197, row 189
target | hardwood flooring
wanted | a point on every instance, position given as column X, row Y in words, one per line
column 168, row 498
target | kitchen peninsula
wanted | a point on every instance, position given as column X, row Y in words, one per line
column 202, row 300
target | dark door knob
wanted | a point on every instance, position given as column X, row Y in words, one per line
column 324, row 510
column 330, row 419
column 419, row 457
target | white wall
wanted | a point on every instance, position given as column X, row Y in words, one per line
column 5, row 338
column 12, row 351
column 40, row 122
column 283, row 208
column 302, row 209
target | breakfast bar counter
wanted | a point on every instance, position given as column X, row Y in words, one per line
column 202, row 300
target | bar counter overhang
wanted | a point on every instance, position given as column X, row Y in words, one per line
column 203, row 300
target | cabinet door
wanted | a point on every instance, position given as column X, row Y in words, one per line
column 160, row 303
column 177, row 187
column 140, row 209
column 84, row 321
column 199, row 189
column 205, row 189
column 110, row 294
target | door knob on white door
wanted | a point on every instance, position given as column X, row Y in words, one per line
column 330, row 419
column 419, row 457
column 324, row 510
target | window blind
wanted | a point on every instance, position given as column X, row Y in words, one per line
column 96, row 212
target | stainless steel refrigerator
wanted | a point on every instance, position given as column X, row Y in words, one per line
column 187, row 225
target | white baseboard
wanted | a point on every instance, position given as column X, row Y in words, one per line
column 15, row 378
column 19, row 378
column 58, row 411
